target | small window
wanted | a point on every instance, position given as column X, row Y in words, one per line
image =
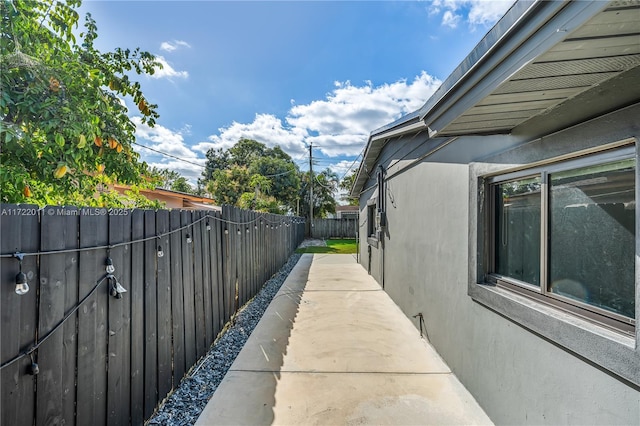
column 371, row 221
column 564, row 233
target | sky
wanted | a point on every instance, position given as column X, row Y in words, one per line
column 287, row 73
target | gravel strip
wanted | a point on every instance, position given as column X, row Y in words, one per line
column 185, row 404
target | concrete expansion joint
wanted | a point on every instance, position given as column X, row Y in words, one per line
column 342, row 290
column 338, row 351
column 388, row 373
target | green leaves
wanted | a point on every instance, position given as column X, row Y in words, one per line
column 54, row 99
column 59, row 140
column 250, row 175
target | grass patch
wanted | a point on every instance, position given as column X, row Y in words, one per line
column 344, row 246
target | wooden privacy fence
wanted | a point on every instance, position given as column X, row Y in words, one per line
column 104, row 360
column 333, row 228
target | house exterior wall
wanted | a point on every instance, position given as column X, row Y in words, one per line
column 426, row 263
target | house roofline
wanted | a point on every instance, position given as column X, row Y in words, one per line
column 171, row 193
column 524, row 19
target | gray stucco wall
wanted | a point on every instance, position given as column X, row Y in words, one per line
column 517, row 376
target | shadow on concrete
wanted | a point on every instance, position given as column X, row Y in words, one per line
column 256, row 371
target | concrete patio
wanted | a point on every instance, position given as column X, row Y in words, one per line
column 333, row 348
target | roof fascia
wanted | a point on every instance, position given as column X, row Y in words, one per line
column 546, row 25
column 503, row 30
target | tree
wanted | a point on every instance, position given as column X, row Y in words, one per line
column 246, row 151
column 283, row 176
column 182, row 185
column 346, row 184
column 163, row 178
column 250, row 175
column 217, row 159
column 227, row 186
column 65, row 131
column 324, row 186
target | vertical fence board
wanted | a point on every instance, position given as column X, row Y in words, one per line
column 237, row 261
column 164, row 306
column 136, row 291
column 92, row 321
column 334, row 228
column 94, row 369
column 58, row 281
column 118, row 375
column 226, row 265
column 198, row 286
column 219, row 235
column 242, row 270
column 252, row 247
column 188, row 286
column 177, row 299
column 150, row 316
column 20, row 233
column 206, row 277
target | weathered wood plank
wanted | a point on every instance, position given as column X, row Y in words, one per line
column 164, row 306
column 92, row 321
column 150, row 317
column 136, row 291
column 177, row 299
column 219, row 264
column 56, row 356
column 118, row 373
column 188, row 286
column 20, row 232
column 226, row 266
column 205, row 229
column 198, row 285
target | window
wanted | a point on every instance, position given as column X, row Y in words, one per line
column 564, row 234
column 371, row 221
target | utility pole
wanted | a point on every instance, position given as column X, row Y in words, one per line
column 311, row 189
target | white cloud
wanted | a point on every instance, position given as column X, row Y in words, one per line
column 450, row 20
column 474, row 12
column 189, row 171
column 265, row 128
column 170, row 142
column 170, row 46
column 167, row 70
column 344, row 167
column 338, row 125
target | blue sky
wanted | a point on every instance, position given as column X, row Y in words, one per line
column 287, row 73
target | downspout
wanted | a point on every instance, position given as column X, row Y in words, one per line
column 382, row 217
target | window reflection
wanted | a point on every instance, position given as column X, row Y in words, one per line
column 517, row 234
column 592, row 236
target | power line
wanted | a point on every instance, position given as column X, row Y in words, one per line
column 168, row 155
column 352, row 164
column 200, row 165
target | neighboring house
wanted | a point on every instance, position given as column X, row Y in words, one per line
column 504, row 211
column 174, row 199
column 347, row 212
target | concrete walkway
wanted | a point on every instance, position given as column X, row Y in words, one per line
column 333, row 349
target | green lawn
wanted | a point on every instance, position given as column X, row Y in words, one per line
column 336, row 246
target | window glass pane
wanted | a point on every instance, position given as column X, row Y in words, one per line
column 592, row 235
column 517, row 230
column 371, row 221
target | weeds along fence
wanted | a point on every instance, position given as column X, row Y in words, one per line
column 332, row 228
column 74, row 349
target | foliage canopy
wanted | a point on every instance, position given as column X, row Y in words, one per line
column 252, row 176
column 66, row 133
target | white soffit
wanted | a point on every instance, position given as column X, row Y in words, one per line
column 604, row 47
